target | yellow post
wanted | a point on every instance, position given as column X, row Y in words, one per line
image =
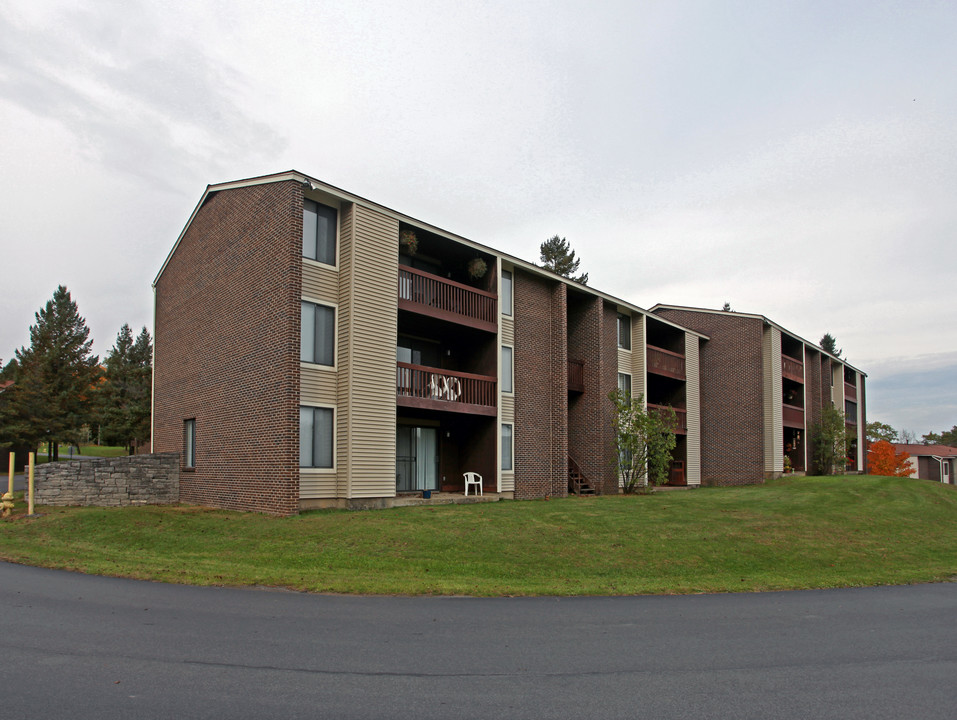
column 6, row 501
column 30, row 487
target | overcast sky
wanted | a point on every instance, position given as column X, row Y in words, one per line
column 798, row 160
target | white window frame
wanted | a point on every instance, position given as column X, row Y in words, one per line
column 189, row 443
column 625, row 375
column 335, row 334
column 507, row 308
column 511, row 454
column 618, row 320
column 318, row 468
column 509, row 371
column 335, row 254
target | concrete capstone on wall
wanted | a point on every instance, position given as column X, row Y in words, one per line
column 110, row 482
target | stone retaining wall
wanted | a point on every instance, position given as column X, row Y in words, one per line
column 110, row 482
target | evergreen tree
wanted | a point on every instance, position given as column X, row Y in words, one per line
column 830, row 344
column 56, row 376
column 124, row 396
column 556, row 255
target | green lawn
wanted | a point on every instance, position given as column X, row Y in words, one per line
column 790, row 533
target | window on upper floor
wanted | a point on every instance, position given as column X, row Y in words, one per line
column 315, row 437
column 507, row 371
column 506, row 292
column 319, row 232
column 624, row 331
column 318, row 338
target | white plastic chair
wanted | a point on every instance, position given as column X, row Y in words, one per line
column 472, row 478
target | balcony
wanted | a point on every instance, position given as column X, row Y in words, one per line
column 681, row 415
column 792, row 369
column 427, row 294
column 576, row 376
column 792, row 416
column 667, row 363
column 418, row 386
column 850, row 391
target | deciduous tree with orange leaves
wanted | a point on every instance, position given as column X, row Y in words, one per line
column 882, row 459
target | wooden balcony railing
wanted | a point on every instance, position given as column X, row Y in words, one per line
column 792, row 416
column 438, row 297
column 576, row 376
column 681, row 415
column 850, row 391
column 792, row 369
column 431, row 388
column 665, row 362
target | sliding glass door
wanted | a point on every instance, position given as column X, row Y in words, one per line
column 417, row 458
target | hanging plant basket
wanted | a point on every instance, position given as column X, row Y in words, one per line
column 477, row 268
column 408, row 242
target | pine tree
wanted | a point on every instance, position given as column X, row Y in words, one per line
column 830, row 344
column 56, row 375
column 124, row 396
column 556, row 255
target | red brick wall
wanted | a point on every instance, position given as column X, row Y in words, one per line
column 586, row 432
column 816, row 394
column 732, row 396
column 541, row 387
column 609, row 382
column 227, row 349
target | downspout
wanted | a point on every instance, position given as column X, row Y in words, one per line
column 940, row 462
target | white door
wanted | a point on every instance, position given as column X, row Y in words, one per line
column 945, row 471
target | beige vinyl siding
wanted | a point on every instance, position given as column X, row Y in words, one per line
column 773, row 399
column 368, row 302
column 317, row 484
column 693, row 404
column 320, row 281
column 837, row 385
column 506, row 403
column 317, row 385
column 507, row 326
column 639, row 351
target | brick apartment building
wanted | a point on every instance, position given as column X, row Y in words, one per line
column 762, row 388
column 316, row 349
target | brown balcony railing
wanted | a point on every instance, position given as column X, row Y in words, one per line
column 850, row 391
column 681, row 415
column 792, row 369
column 576, row 376
column 665, row 362
column 427, row 387
column 792, row 416
column 431, row 295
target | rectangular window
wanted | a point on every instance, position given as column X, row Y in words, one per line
column 506, row 292
column 189, row 443
column 317, row 342
column 624, row 332
column 315, row 437
column 506, row 447
column 624, row 382
column 507, row 369
column 319, row 232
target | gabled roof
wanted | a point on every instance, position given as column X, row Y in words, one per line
column 766, row 320
column 929, row 450
column 315, row 184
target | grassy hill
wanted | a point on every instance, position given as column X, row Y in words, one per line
column 791, row 533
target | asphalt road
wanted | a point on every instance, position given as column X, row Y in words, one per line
column 75, row 646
